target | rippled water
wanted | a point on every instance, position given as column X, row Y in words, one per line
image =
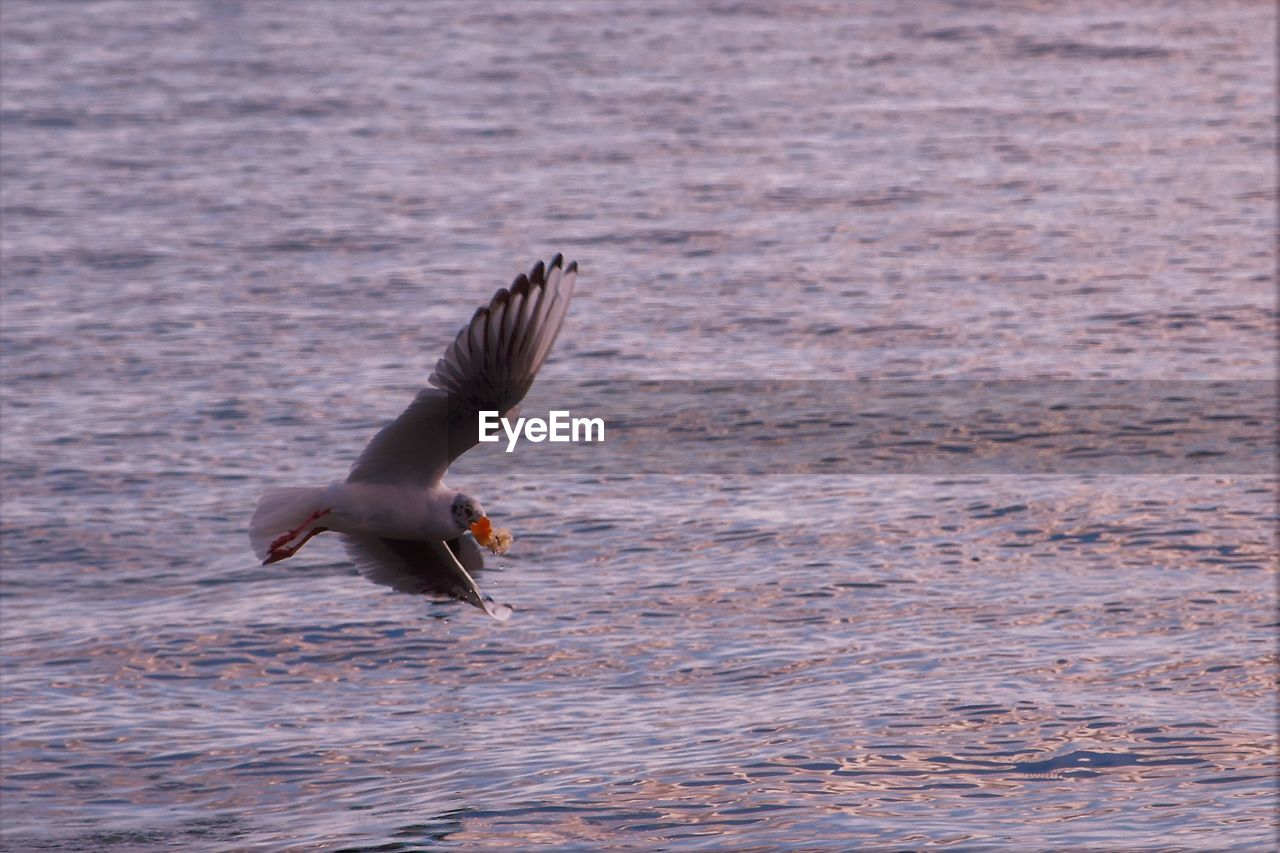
column 236, row 236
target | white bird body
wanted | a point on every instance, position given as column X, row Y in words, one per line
column 401, row 524
column 390, row 510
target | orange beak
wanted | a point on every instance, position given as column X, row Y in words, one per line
column 497, row 541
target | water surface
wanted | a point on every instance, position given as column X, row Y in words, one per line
column 236, row 236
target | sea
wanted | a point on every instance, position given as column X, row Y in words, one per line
column 935, row 348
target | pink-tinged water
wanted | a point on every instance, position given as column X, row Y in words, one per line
column 234, row 237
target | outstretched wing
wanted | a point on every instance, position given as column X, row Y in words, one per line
column 424, row 568
column 488, row 367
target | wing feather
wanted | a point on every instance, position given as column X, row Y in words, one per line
column 555, row 318
column 529, row 328
column 515, row 306
column 489, row 366
column 448, row 371
column 532, row 293
column 494, row 358
column 424, row 568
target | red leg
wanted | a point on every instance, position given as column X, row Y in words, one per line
column 278, row 551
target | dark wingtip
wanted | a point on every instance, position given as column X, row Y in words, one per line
column 521, row 280
column 538, row 274
column 501, row 297
column 573, row 267
column 557, row 260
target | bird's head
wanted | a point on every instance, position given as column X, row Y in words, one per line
column 469, row 515
column 467, row 512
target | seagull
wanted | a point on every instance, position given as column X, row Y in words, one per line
column 401, row 525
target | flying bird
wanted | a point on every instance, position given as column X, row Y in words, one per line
column 401, row 525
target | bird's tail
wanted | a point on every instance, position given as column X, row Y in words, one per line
column 282, row 516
